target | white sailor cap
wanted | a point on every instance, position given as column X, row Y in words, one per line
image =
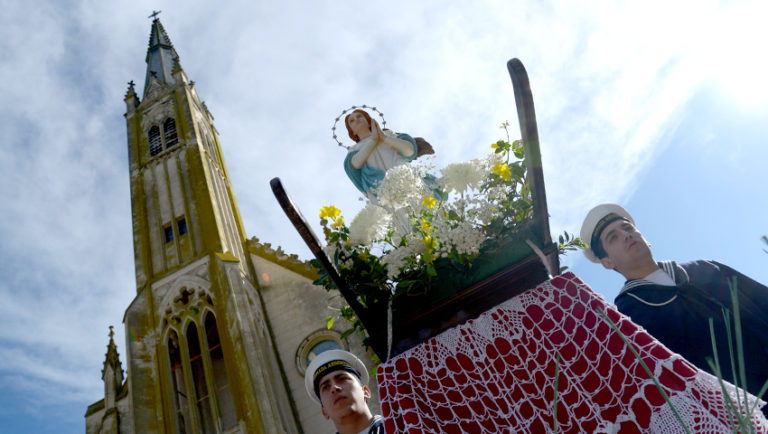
column 329, row 361
column 597, row 219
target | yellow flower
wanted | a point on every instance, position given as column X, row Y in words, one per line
column 502, row 169
column 338, row 223
column 329, row 212
column 427, row 241
column 425, row 226
column 429, row 202
column 364, row 255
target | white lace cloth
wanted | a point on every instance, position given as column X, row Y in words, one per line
column 496, row 374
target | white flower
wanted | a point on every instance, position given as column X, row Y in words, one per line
column 462, row 235
column 401, row 224
column 464, row 175
column 457, row 224
column 401, row 187
column 492, row 160
column 396, row 259
column 369, row 225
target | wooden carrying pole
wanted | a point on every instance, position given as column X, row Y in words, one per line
column 377, row 333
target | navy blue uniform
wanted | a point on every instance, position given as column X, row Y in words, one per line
column 377, row 426
column 678, row 316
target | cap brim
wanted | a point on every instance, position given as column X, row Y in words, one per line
column 593, row 217
column 327, row 356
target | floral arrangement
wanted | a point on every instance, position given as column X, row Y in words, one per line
column 418, row 233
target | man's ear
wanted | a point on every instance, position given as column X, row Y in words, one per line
column 322, row 409
column 607, row 263
column 366, row 393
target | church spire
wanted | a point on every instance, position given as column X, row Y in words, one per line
column 112, row 357
column 112, row 374
column 161, row 56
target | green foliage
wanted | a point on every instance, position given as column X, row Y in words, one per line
column 740, row 414
column 568, row 243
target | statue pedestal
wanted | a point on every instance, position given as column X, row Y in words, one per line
column 450, row 303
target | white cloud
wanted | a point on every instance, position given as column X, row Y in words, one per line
column 609, row 80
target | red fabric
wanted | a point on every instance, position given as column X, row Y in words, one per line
column 496, row 374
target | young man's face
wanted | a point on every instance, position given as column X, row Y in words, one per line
column 341, row 394
column 625, row 246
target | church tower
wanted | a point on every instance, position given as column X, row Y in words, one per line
column 200, row 351
column 222, row 327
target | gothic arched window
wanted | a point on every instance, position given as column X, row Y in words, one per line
column 155, row 144
column 220, row 378
column 180, row 404
column 169, row 128
column 202, row 397
column 205, row 404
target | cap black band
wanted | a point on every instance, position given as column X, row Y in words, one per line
column 594, row 243
column 333, row 365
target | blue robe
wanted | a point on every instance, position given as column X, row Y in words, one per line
column 367, row 176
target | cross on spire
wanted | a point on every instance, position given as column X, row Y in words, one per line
column 154, row 15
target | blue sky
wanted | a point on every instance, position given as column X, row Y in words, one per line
column 659, row 106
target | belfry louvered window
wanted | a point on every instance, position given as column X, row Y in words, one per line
column 165, row 138
column 155, row 143
column 169, row 128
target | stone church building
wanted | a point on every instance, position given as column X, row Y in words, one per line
column 222, row 326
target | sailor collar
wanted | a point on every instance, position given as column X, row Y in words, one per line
column 671, row 268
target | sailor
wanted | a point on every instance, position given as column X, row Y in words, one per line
column 674, row 302
column 338, row 381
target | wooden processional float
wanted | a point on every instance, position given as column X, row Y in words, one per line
column 524, row 349
column 507, row 281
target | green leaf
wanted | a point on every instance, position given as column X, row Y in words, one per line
column 329, row 322
column 517, row 149
column 347, row 333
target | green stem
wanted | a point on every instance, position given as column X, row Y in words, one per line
column 647, row 370
column 739, row 341
column 732, row 411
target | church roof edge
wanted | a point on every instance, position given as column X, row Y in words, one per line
column 279, row 257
